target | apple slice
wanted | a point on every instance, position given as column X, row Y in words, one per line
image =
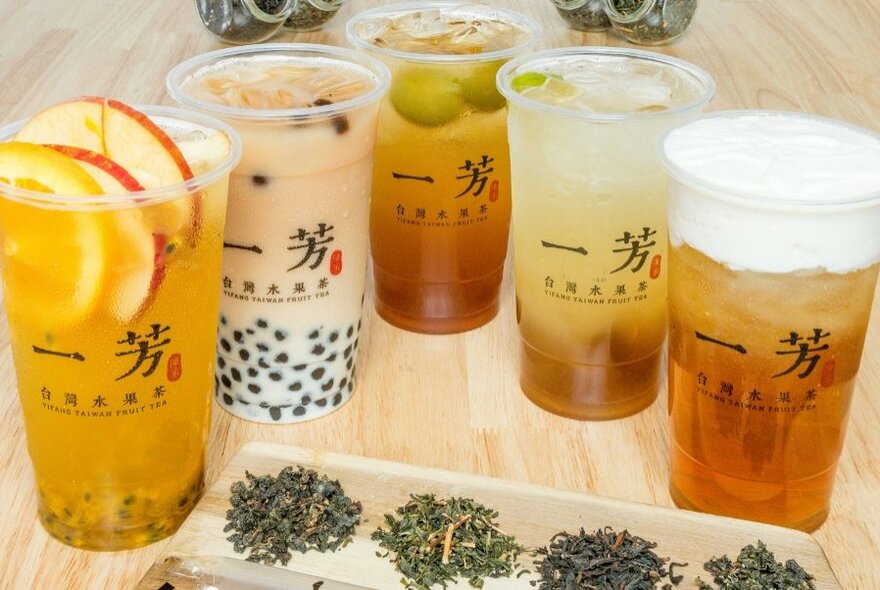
column 138, row 269
column 205, row 153
column 113, row 178
column 143, row 148
column 77, row 122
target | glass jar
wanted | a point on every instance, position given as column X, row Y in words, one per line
column 310, row 15
column 583, row 15
column 244, row 21
column 650, row 22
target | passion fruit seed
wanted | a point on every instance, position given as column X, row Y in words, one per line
column 426, row 96
column 479, row 89
column 527, row 80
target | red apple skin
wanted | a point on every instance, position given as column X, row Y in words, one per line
column 128, row 182
column 195, row 226
column 156, row 131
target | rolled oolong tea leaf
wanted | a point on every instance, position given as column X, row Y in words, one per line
column 434, row 541
column 756, row 569
column 604, row 560
column 297, row 510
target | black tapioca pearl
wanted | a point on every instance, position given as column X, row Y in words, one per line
column 340, row 124
column 223, row 319
column 321, row 403
column 226, row 382
column 243, row 354
column 263, row 364
column 236, row 374
column 295, row 386
column 314, row 334
column 327, row 386
column 227, row 399
column 262, row 323
column 262, row 347
column 334, row 336
column 331, row 358
column 264, row 405
column 359, row 324
column 281, row 358
column 254, row 388
column 348, row 364
column 350, row 385
column 337, row 399
column 349, row 332
column 299, row 367
column 322, row 102
column 224, row 344
column 318, row 350
column 252, row 372
column 221, row 362
column 280, row 336
column 249, row 331
column 216, row 385
column 260, row 180
column 238, row 336
column 306, row 400
column 299, row 411
column 343, row 382
column 275, row 376
column 182, row 502
column 243, row 402
column 347, row 352
column 356, row 340
column 318, row 373
column 275, row 413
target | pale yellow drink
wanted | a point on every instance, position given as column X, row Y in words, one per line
column 589, row 240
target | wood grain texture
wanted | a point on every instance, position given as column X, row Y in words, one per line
column 453, row 402
column 533, row 514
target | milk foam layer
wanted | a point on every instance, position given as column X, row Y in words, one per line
column 775, row 192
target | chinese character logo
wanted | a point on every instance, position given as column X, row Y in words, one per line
column 147, row 349
column 312, row 244
column 636, row 248
column 477, row 175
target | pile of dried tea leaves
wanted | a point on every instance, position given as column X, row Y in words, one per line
column 756, row 568
column 299, row 510
column 434, row 541
column 604, row 560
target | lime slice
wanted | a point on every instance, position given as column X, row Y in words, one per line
column 527, row 80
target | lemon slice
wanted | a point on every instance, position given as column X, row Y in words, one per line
column 54, row 259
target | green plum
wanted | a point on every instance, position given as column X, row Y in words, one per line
column 424, row 95
column 479, row 90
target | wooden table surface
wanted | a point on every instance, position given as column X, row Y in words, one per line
column 452, row 402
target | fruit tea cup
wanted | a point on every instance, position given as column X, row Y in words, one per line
column 440, row 214
column 112, row 302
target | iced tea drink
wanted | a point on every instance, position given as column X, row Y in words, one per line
column 112, row 302
column 295, row 248
column 441, row 186
column 774, row 256
column 589, row 222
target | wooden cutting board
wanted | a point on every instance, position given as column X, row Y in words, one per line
column 531, row 513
